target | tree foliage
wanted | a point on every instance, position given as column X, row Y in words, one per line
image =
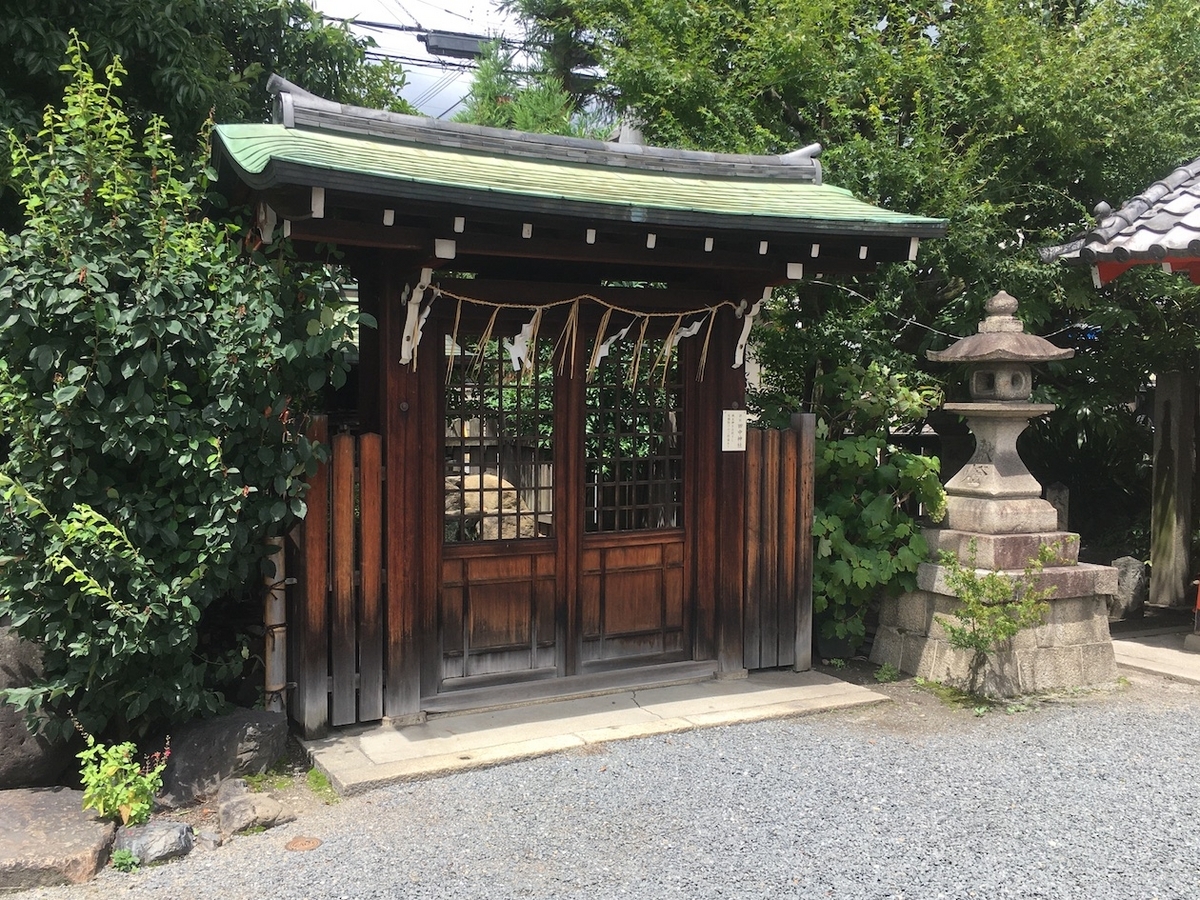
column 156, row 370
column 502, row 96
column 188, row 58
column 1010, row 119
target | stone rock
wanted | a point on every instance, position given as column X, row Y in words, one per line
column 205, row 752
column 1133, row 589
column 207, row 840
column 491, row 503
column 240, row 809
column 46, row 838
column 155, row 841
column 26, row 760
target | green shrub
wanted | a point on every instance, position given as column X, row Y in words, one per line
column 866, row 542
column 124, row 861
column 993, row 606
column 156, row 372
column 116, row 785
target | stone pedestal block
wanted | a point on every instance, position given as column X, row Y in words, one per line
column 1003, row 551
column 974, row 514
column 1071, row 648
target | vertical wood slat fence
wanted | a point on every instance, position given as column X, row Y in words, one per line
column 336, row 604
column 779, row 547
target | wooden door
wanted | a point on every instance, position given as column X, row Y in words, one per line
column 634, row 585
column 565, row 547
column 499, row 588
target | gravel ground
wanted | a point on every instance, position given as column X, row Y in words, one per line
column 1086, row 796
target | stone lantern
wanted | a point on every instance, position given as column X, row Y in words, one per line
column 995, row 516
column 994, row 492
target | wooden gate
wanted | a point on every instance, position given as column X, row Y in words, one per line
column 336, row 631
column 338, row 621
column 779, row 520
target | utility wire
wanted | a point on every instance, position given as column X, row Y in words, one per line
column 400, row 6
column 435, row 88
column 421, row 63
column 443, row 9
column 457, row 102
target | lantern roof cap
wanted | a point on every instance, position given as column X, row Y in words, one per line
column 1001, row 338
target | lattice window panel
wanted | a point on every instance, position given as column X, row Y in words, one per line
column 633, row 456
column 499, row 465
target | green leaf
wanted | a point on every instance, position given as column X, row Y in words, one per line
column 66, row 393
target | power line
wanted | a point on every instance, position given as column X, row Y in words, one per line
column 434, row 89
column 447, row 112
column 421, row 63
column 400, row 6
column 384, row 26
column 443, row 9
column 417, row 29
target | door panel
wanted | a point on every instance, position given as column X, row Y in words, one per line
column 634, row 598
column 565, row 548
column 497, row 612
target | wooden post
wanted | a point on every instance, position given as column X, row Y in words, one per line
column 1171, row 510
column 805, row 425
column 399, row 405
column 755, row 498
column 370, row 637
column 344, row 644
column 312, row 663
column 731, row 485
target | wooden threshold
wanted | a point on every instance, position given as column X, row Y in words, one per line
column 573, row 686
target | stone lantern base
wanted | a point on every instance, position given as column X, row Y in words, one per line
column 1072, row 648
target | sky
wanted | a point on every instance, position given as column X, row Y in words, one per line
column 436, row 86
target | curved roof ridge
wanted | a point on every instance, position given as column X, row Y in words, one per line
column 298, row 108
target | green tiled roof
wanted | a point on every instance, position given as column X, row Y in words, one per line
column 274, row 155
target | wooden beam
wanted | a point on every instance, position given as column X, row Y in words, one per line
column 805, row 426
column 362, row 234
column 769, row 267
column 312, row 662
column 731, row 488
column 656, row 256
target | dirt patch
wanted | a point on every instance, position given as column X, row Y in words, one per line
column 921, row 707
column 291, row 781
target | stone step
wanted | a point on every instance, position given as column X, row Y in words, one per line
column 46, row 839
column 483, row 699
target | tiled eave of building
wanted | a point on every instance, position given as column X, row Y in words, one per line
column 1159, row 226
column 330, row 173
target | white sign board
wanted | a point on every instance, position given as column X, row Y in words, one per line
column 733, row 431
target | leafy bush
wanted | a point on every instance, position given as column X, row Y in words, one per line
column 867, row 542
column 115, row 785
column 155, row 375
column 993, row 606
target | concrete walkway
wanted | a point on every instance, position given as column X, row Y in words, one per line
column 358, row 759
column 1160, row 651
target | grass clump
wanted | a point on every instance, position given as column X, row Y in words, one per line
column 318, row 783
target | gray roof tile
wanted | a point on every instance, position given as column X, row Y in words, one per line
column 1163, row 221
